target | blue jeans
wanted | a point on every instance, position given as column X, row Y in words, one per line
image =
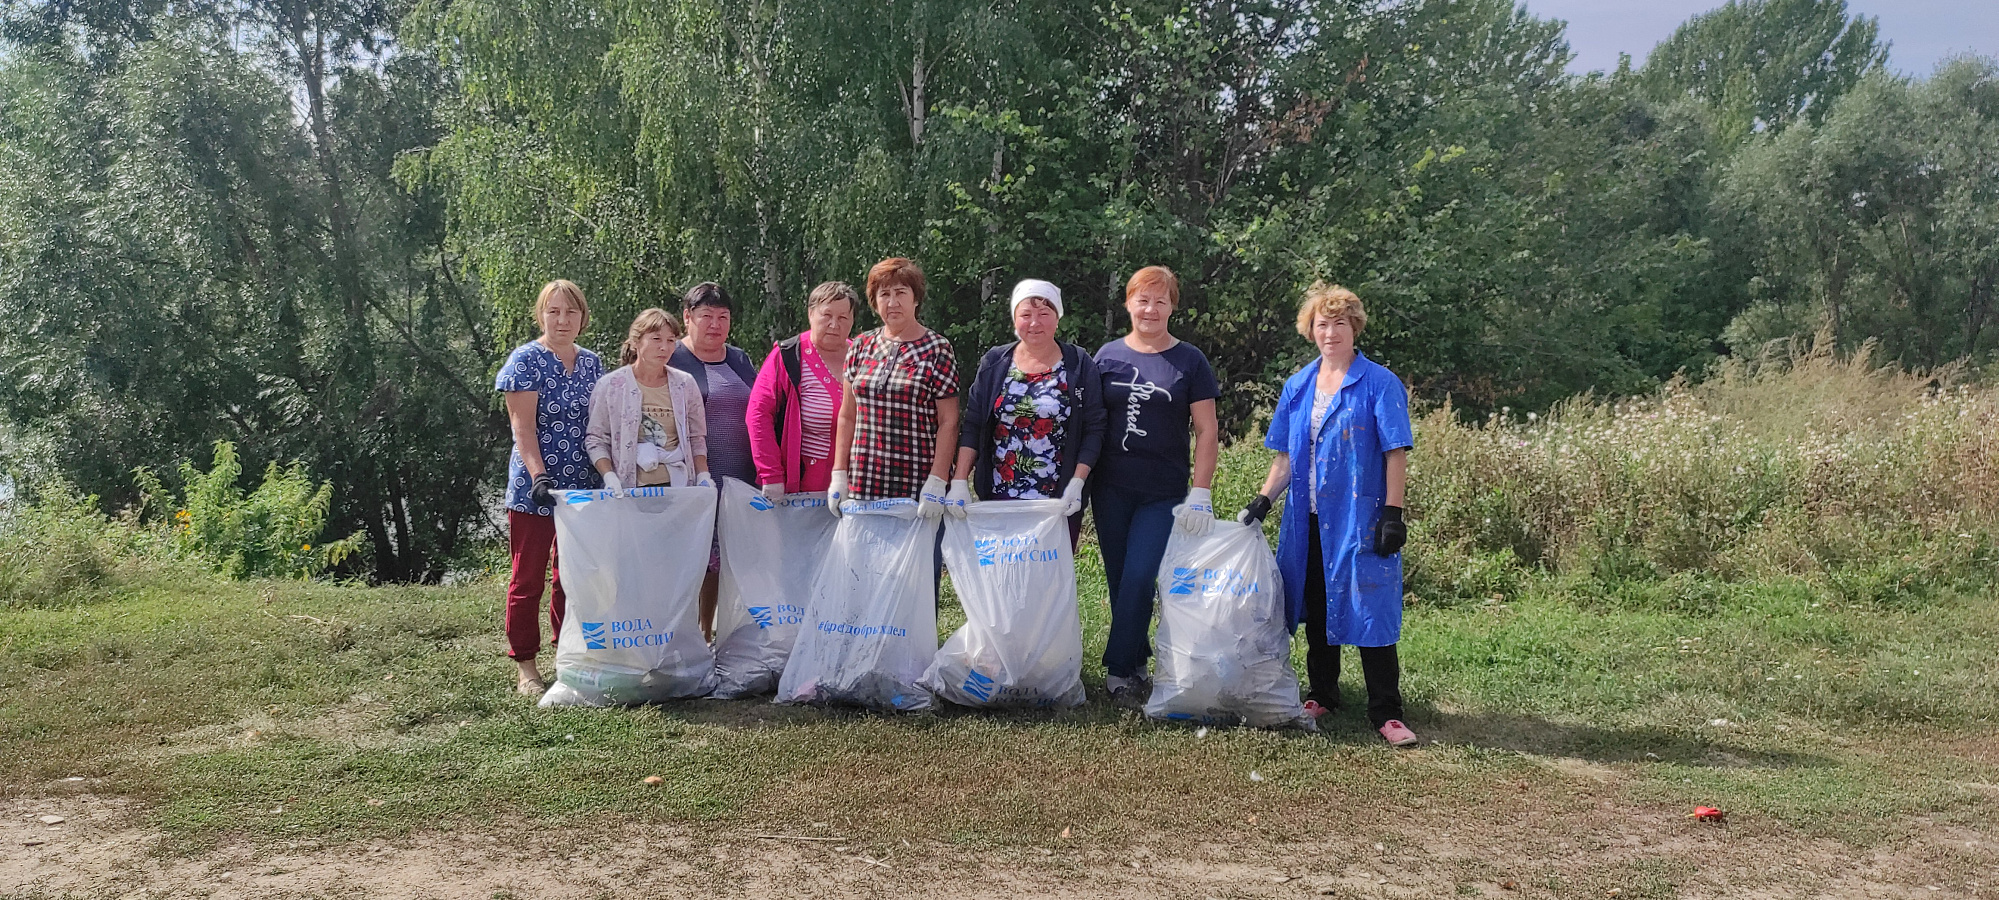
column 1132, row 530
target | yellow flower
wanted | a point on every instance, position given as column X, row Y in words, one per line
column 305, row 547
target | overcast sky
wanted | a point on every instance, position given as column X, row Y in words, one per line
column 1920, row 32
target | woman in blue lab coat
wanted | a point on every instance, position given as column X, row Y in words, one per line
column 1342, row 429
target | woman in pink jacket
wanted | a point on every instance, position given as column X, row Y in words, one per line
column 795, row 403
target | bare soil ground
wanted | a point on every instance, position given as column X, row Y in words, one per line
column 102, row 848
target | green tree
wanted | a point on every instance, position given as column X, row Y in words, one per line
column 203, row 264
column 1766, row 64
column 1880, row 224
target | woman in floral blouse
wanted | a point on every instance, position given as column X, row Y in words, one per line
column 900, row 406
column 548, row 382
column 1035, row 424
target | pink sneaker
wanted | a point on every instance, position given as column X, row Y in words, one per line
column 1397, row 734
column 1313, row 709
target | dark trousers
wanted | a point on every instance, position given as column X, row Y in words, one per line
column 1378, row 665
column 1131, row 531
column 531, row 541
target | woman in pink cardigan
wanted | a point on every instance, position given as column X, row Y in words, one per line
column 647, row 425
column 796, row 400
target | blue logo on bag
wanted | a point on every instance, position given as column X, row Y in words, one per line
column 979, row 686
column 593, row 635
column 1013, row 549
column 781, row 614
column 760, row 503
column 1215, row 582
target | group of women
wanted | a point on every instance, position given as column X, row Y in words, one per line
column 1129, row 430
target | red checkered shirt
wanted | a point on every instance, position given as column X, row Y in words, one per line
column 896, row 387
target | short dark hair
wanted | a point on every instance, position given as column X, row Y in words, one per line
column 706, row 293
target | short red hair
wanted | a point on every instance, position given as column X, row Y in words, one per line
column 893, row 271
column 1154, row 276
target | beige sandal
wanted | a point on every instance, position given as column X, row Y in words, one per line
column 529, row 687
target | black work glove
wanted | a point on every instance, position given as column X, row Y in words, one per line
column 1390, row 534
column 1254, row 513
column 543, row 490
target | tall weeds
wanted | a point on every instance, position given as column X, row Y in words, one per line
column 1877, row 483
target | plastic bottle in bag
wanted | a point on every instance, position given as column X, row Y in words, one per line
column 1022, row 641
column 632, row 569
column 771, row 552
column 1223, row 651
column 870, row 628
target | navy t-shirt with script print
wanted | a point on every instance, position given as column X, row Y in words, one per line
column 1147, row 398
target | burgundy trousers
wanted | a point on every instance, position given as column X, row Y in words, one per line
column 531, row 539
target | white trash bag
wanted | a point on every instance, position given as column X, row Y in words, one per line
column 871, row 626
column 632, row 570
column 770, row 554
column 1224, row 653
column 1022, row 641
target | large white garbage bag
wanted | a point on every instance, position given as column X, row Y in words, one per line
column 1022, row 641
column 771, row 552
column 871, row 626
column 1224, row 654
column 632, row 570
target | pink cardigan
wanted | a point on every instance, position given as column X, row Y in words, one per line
column 777, row 456
column 616, row 407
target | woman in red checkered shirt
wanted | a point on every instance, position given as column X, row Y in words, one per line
column 899, row 415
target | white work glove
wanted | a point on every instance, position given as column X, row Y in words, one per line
column 650, row 456
column 612, row 484
column 960, row 498
column 1196, row 516
column 930, row 503
column 701, row 479
column 836, row 492
column 774, row 492
column 1072, row 497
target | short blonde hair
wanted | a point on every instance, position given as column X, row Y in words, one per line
column 1331, row 301
column 649, row 321
column 562, row 286
column 1154, row 276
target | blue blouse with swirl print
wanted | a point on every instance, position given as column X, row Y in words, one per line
column 562, row 412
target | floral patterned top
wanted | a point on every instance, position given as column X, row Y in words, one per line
column 896, row 387
column 1032, row 411
column 561, row 412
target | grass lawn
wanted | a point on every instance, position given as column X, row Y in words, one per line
column 1565, row 737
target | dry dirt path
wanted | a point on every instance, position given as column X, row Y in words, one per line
column 103, row 848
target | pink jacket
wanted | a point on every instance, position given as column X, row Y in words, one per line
column 777, row 455
column 616, row 406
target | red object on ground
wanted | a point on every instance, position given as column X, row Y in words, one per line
column 1707, row 814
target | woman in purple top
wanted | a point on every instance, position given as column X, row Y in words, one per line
column 726, row 376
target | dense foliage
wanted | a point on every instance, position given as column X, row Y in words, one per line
column 313, row 228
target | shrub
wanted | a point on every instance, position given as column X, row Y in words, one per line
column 273, row 532
column 55, row 548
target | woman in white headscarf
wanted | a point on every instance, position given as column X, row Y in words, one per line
column 1035, row 421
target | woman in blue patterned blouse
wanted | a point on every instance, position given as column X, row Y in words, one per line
column 547, row 382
